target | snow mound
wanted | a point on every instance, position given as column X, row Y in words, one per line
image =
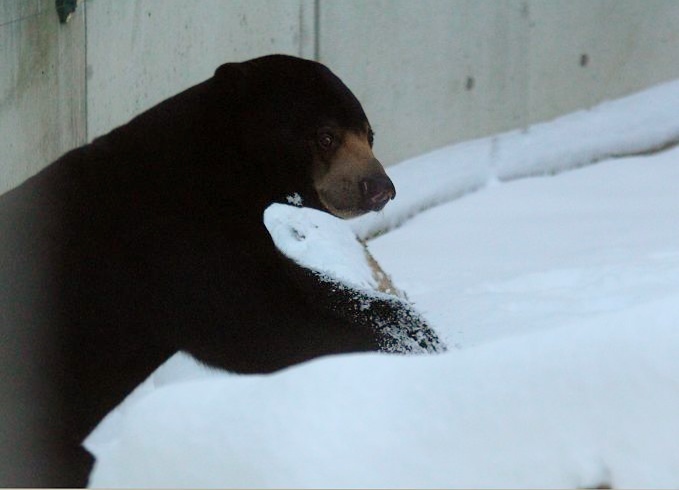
column 327, row 246
column 320, row 241
column 641, row 122
column 574, row 407
column 537, row 253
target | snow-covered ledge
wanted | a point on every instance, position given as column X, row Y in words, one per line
column 639, row 123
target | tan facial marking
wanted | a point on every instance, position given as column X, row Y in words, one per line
column 338, row 180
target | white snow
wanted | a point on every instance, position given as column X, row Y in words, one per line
column 539, row 252
column 561, row 293
column 640, row 122
column 319, row 241
column 294, row 199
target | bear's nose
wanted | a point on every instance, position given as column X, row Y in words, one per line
column 377, row 191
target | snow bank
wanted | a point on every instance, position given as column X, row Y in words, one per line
column 580, row 406
column 638, row 123
column 537, row 253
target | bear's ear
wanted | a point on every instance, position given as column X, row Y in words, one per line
column 231, row 71
column 233, row 77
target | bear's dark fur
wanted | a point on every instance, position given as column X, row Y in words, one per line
column 150, row 240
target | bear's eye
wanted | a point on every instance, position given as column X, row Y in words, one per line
column 371, row 137
column 325, row 140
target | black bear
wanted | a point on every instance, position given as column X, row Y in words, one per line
column 150, row 240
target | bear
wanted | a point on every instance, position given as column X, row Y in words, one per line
column 149, row 240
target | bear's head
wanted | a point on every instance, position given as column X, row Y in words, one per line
column 309, row 134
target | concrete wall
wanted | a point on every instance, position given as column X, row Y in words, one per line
column 433, row 72
column 42, row 87
column 142, row 51
column 429, row 72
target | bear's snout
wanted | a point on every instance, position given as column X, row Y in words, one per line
column 377, row 191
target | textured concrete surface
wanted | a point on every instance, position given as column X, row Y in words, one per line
column 434, row 72
column 140, row 52
column 42, row 87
